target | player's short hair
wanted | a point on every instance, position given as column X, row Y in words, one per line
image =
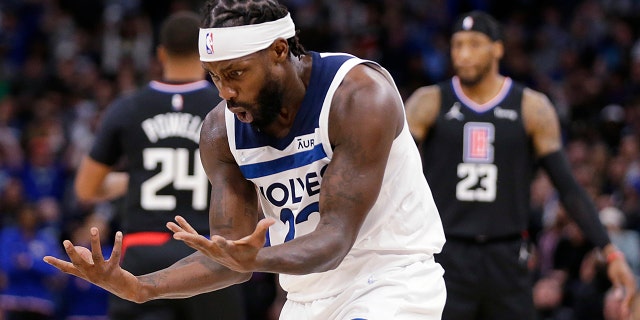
column 179, row 33
column 233, row 13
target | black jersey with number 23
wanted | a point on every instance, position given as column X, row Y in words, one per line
column 478, row 158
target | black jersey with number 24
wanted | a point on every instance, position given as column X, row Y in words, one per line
column 157, row 130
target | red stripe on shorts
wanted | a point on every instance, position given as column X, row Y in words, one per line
column 144, row 239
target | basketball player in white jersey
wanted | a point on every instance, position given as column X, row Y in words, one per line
column 321, row 143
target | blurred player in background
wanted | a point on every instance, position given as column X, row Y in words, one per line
column 157, row 130
column 481, row 135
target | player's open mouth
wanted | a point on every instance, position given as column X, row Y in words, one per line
column 240, row 112
column 244, row 117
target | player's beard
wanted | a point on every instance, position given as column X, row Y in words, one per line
column 470, row 81
column 268, row 105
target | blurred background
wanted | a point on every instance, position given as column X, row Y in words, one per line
column 62, row 62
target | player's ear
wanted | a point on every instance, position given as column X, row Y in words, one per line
column 280, row 50
column 161, row 54
column 498, row 49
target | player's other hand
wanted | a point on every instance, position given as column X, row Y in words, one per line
column 90, row 265
column 623, row 281
column 238, row 255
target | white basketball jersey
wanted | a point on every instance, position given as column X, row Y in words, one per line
column 402, row 227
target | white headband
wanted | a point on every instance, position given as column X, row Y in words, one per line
column 217, row 44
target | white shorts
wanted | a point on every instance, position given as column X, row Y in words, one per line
column 416, row 291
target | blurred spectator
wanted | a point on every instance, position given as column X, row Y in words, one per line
column 568, row 256
column 42, row 173
column 611, row 124
column 11, row 155
column 83, row 300
column 131, row 39
column 27, row 292
column 547, row 298
column 11, row 199
column 50, row 215
column 554, row 221
column 628, row 241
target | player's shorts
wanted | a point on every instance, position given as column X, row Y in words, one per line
column 413, row 292
column 487, row 280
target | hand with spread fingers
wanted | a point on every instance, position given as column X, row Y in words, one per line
column 164, row 169
column 89, row 264
column 238, row 255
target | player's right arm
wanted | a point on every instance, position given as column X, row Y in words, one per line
column 189, row 276
column 233, row 213
column 422, row 109
column 193, row 274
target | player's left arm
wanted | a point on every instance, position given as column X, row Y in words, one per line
column 95, row 179
column 96, row 182
column 541, row 122
column 366, row 116
column 422, row 110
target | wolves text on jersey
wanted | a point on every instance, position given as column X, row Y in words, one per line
column 291, row 191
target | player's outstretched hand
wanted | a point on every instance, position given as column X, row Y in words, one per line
column 91, row 266
column 624, row 282
column 238, row 255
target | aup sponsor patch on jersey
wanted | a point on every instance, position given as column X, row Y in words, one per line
column 478, row 142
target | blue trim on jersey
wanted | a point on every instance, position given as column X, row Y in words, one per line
column 296, row 160
column 322, row 73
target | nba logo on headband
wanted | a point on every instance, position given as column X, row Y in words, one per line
column 209, row 42
column 239, row 41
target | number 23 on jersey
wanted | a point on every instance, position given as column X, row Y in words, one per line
column 478, row 173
